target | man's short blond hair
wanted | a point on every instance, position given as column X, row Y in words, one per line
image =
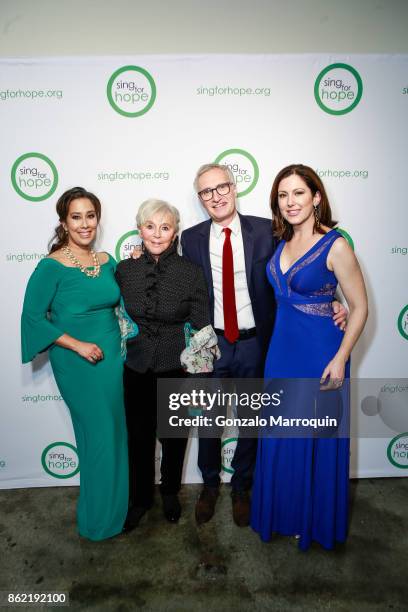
column 207, row 167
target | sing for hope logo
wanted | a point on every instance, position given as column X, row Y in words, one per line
column 60, row 460
column 126, row 244
column 227, row 453
column 403, row 322
column 338, row 89
column 244, row 168
column 397, row 451
column 34, row 176
column 131, row 91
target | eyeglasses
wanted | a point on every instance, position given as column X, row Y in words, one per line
column 221, row 189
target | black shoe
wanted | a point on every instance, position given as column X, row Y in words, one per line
column 133, row 518
column 171, row 508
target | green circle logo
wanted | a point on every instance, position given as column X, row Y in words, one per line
column 338, row 89
column 244, row 168
column 34, row 177
column 403, row 322
column 126, row 244
column 60, row 460
column 227, row 454
column 346, row 236
column 397, row 451
column 131, row 91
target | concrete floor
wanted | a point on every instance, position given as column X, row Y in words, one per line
column 164, row 567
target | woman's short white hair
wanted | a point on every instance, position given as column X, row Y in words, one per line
column 207, row 167
column 150, row 207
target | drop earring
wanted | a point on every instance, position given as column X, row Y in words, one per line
column 316, row 216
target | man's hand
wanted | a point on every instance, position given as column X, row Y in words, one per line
column 340, row 315
column 137, row 252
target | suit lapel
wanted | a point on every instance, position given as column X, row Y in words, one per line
column 204, row 248
column 247, row 238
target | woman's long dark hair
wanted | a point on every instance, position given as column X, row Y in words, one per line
column 284, row 230
column 60, row 237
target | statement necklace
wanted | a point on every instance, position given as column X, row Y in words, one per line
column 92, row 273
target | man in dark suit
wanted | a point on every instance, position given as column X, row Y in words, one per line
column 233, row 251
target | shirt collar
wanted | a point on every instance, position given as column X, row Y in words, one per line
column 235, row 227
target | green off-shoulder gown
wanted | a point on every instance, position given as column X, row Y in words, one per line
column 59, row 300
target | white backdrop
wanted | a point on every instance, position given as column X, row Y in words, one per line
column 130, row 128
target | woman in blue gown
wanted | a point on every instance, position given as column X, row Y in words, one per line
column 301, row 483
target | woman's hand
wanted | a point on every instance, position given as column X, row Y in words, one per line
column 89, row 351
column 334, row 372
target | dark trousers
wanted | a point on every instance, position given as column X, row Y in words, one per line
column 243, row 359
column 141, row 418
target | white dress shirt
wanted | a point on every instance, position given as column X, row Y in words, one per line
column 243, row 301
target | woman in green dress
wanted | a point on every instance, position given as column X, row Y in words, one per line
column 69, row 310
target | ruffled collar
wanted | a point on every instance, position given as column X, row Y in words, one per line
column 153, row 270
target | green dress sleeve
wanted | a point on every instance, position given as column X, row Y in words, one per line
column 37, row 331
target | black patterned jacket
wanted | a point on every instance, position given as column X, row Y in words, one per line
column 161, row 297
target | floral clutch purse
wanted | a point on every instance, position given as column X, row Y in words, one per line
column 201, row 350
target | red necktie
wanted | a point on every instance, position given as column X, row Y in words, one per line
column 231, row 331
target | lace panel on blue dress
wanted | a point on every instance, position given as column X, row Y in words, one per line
column 327, row 289
column 272, row 268
column 322, row 309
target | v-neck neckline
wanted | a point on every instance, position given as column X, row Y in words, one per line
column 302, row 256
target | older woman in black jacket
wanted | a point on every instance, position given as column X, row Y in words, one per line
column 161, row 291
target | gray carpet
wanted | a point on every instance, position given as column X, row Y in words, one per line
column 217, row 566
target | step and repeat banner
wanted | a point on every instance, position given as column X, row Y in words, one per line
column 135, row 127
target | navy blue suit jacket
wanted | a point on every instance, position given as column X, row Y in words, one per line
column 259, row 245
